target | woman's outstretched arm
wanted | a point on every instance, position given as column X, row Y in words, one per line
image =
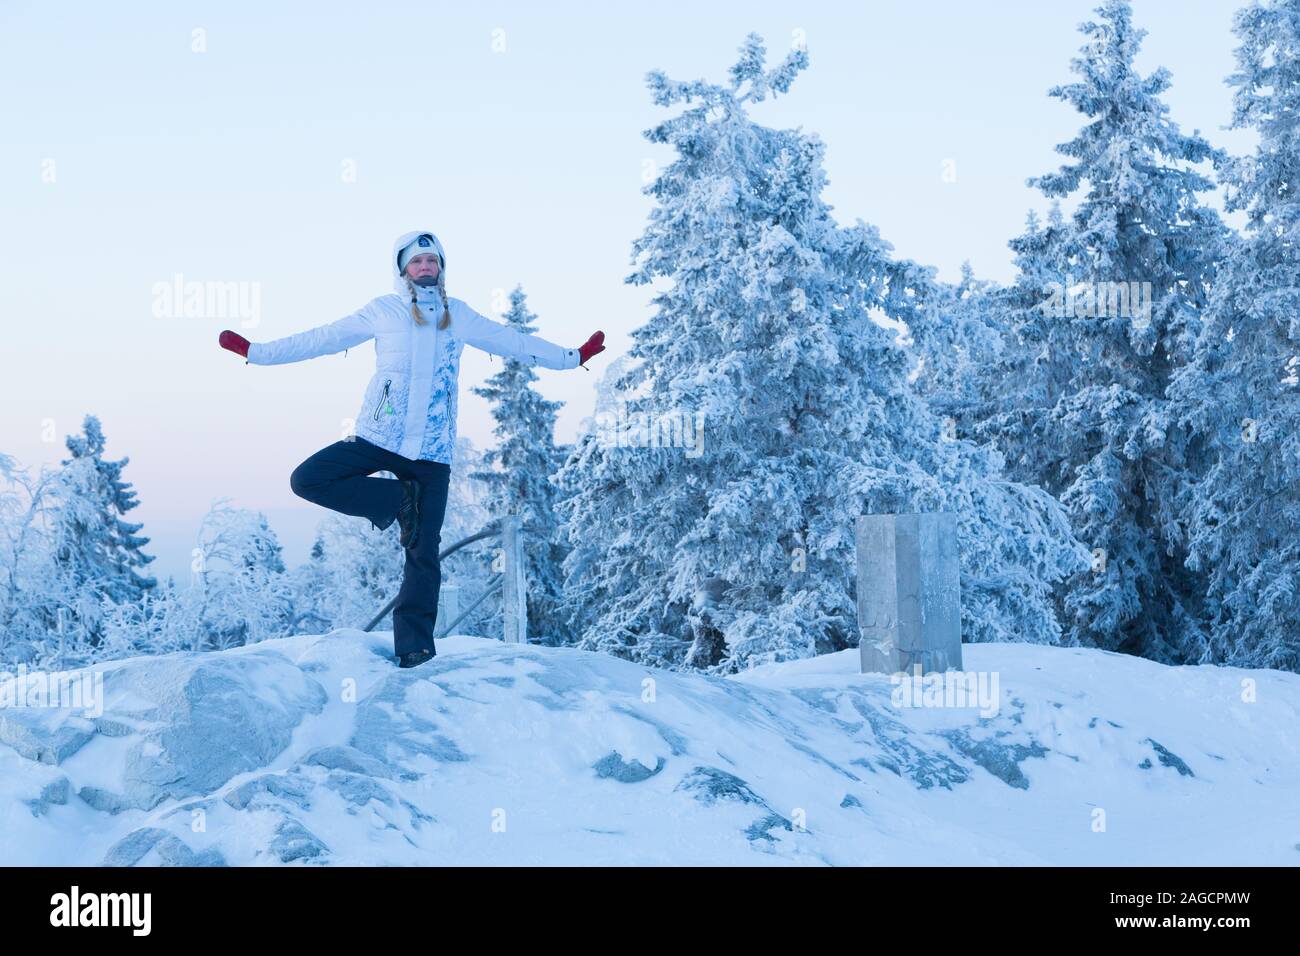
column 323, row 340
column 500, row 339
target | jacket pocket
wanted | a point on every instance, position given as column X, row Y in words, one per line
column 383, row 406
column 381, row 418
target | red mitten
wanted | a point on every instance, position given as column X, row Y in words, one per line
column 593, row 346
column 234, row 342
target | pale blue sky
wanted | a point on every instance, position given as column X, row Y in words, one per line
column 226, row 165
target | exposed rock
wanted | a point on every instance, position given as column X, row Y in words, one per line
column 1001, row 760
column 347, row 758
column 1169, row 759
column 760, row 829
column 357, row 788
column 46, row 735
column 287, row 786
column 104, row 800
column 54, row 793
column 709, row 785
column 613, row 766
column 170, row 850
column 293, row 841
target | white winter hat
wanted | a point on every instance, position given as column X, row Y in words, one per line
column 425, row 242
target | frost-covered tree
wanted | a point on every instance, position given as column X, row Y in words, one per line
column 98, row 553
column 712, row 517
column 309, row 582
column 353, row 572
column 517, row 474
column 244, row 593
column 964, row 350
column 238, row 593
column 31, row 588
column 1005, row 389
column 168, row 618
column 1138, row 253
column 1242, row 392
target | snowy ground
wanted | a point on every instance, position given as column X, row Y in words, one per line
column 318, row 750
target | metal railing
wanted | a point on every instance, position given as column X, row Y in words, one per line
column 514, row 611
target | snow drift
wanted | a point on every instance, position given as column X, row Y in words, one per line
column 317, row 750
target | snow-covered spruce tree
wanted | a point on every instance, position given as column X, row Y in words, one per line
column 1004, row 376
column 517, row 474
column 1242, row 393
column 712, row 518
column 1034, row 366
column 961, row 351
column 1139, row 251
column 98, row 553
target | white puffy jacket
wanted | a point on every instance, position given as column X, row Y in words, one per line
column 410, row 403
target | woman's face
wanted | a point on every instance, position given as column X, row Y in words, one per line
column 423, row 269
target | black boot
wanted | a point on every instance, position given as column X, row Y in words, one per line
column 415, row 658
column 408, row 514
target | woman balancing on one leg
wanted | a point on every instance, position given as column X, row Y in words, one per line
column 407, row 423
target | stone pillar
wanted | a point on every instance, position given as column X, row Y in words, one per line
column 909, row 593
column 514, row 591
column 448, row 606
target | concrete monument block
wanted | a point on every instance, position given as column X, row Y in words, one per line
column 909, row 593
column 448, row 606
column 514, row 592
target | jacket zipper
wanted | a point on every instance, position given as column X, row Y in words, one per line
column 424, row 427
column 383, row 399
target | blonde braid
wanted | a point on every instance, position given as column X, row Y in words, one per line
column 446, row 303
column 415, row 305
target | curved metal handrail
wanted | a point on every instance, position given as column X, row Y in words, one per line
column 493, row 527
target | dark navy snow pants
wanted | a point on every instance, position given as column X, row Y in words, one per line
column 336, row 477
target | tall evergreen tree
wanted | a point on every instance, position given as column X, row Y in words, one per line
column 518, row 473
column 1020, row 382
column 988, row 352
column 961, row 350
column 1139, row 252
column 97, row 551
column 712, row 524
column 1242, row 393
